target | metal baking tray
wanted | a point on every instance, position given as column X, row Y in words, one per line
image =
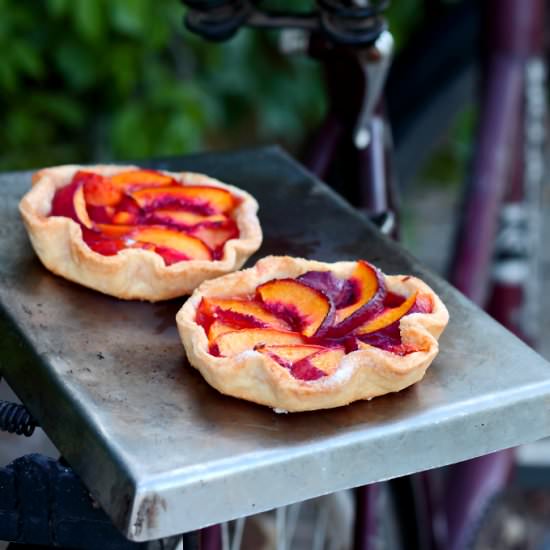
column 164, row 453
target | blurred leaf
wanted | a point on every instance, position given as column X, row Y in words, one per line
column 27, row 58
column 122, row 62
column 449, row 163
column 58, row 7
column 77, row 65
column 128, row 73
column 129, row 138
column 8, row 77
column 64, row 110
column 88, row 18
column 130, row 16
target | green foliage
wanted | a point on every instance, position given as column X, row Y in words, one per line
column 86, row 80
column 82, row 80
column 448, row 164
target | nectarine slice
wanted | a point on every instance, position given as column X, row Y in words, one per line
column 69, row 202
column 211, row 199
column 387, row 317
column 132, row 179
column 101, row 244
column 80, row 208
column 328, row 360
column 233, row 343
column 366, row 281
column 423, row 304
column 124, row 218
column 113, row 230
column 185, row 218
column 99, row 191
column 190, row 247
column 370, row 292
column 128, row 212
column 217, row 328
column 306, row 309
column 340, row 291
column 322, row 363
column 242, row 312
column 215, row 237
column 106, row 247
column 287, row 355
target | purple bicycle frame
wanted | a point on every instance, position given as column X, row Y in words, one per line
column 514, row 38
column 457, row 496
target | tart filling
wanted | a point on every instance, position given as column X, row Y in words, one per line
column 308, row 324
column 138, row 234
column 149, row 210
column 298, row 335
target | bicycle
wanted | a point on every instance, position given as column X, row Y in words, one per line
column 495, row 251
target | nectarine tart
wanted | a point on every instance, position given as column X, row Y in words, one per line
column 299, row 335
column 138, row 234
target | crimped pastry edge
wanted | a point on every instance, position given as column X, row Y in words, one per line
column 362, row 374
column 132, row 274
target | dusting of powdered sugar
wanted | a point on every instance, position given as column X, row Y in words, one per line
column 249, row 353
column 340, row 375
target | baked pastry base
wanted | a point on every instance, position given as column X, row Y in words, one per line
column 131, row 274
column 362, row 374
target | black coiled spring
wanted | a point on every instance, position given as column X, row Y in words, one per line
column 216, row 19
column 15, row 418
column 345, row 22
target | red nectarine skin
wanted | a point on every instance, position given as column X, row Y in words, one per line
column 286, row 356
column 62, row 202
column 101, row 244
column 387, row 343
column 304, row 370
column 318, row 365
column 101, row 214
column 423, row 304
column 128, row 212
column 305, row 309
column 340, row 291
column 171, row 256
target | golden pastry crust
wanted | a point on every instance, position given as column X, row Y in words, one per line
column 131, row 274
column 362, row 374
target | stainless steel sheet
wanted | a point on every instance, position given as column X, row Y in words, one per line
column 164, row 453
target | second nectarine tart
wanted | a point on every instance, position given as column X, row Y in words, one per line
column 299, row 335
column 138, row 234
